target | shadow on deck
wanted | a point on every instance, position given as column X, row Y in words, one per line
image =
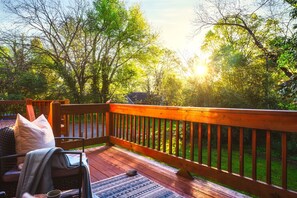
column 106, row 162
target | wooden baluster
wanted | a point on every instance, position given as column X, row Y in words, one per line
column 208, row 145
column 148, row 128
column 117, row 125
column 192, row 141
column 127, row 127
column 92, row 125
column 97, row 124
column 86, row 125
column 73, row 125
column 159, row 134
column 124, row 126
column 268, row 157
column 284, row 160
column 103, row 124
column 114, row 117
column 121, row 126
column 143, row 131
column 79, row 126
column 135, row 127
column 177, row 138
column 164, row 135
column 229, row 149
column 200, row 143
column 139, row 129
column 184, row 144
column 131, row 128
column 219, row 147
column 39, row 109
column 66, row 124
column 241, row 152
column 170, row 137
column 254, row 154
column 153, row 134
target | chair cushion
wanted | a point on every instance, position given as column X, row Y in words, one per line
column 7, row 147
column 32, row 135
column 11, row 175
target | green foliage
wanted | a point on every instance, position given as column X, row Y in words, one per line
column 92, row 54
column 124, row 43
column 241, row 76
column 32, row 84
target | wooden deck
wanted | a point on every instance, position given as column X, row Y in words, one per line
column 106, row 162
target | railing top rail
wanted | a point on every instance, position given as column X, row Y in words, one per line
column 115, row 106
column 274, row 120
column 84, row 108
column 8, row 102
column 48, row 101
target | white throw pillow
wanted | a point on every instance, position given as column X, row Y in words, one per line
column 32, row 135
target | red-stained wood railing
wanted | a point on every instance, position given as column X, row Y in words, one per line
column 191, row 139
column 82, row 120
column 41, row 107
column 10, row 108
column 184, row 137
column 202, row 141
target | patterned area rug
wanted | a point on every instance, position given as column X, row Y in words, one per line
column 130, row 186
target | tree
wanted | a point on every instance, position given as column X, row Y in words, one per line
column 240, row 68
column 92, row 50
column 61, row 30
column 162, row 76
column 20, row 78
column 255, row 28
column 121, row 40
column 288, row 59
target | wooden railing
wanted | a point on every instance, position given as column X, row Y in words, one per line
column 10, row 108
column 236, row 147
column 88, row 121
column 249, row 150
column 190, row 139
column 40, row 107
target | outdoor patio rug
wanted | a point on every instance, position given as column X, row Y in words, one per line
column 130, row 186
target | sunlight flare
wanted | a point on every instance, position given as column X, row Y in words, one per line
column 201, row 70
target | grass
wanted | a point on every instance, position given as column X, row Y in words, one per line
column 276, row 170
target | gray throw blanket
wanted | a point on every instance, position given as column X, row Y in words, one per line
column 36, row 172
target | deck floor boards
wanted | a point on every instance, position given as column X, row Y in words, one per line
column 106, row 162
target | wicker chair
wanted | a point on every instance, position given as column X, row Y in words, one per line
column 63, row 179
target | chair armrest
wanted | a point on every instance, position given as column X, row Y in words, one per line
column 74, row 138
column 8, row 162
column 12, row 156
column 73, row 153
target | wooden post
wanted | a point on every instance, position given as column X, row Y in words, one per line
column 30, row 110
column 55, row 118
column 109, row 127
column 65, row 120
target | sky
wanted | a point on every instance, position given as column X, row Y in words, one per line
column 173, row 20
